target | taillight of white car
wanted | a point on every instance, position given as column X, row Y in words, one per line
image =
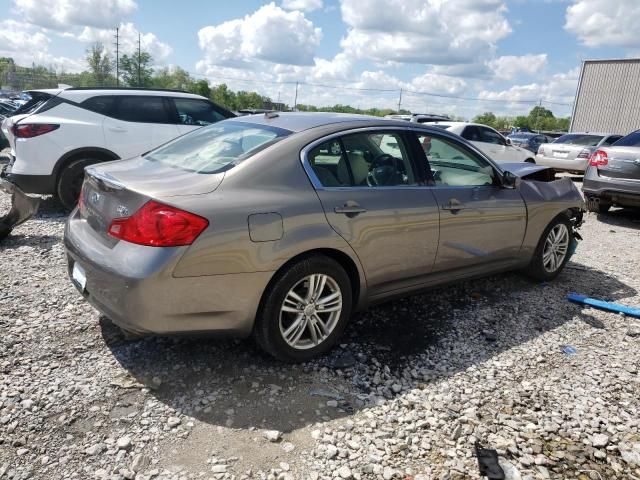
column 30, row 130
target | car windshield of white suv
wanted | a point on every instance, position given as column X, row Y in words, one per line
column 580, row 139
column 217, row 148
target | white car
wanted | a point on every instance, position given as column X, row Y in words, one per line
column 69, row 129
column 490, row 141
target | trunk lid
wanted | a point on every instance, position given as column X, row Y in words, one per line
column 623, row 162
column 563, row 151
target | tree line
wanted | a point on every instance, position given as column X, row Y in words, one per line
column 136, row 70
column 539, row 118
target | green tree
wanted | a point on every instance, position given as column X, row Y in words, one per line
column 487, row 118
column 100, row 64
column 136, row 69
column 201, row 87
column 223, row 96
column 175, row 78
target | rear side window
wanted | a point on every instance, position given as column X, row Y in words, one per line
column 612, row 139
column 631, row 140
column 218, row 147
column 196, row 112
column 142, row 109
column 102, row 104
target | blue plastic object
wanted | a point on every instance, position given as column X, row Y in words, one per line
column 569, row 350
column 601, row 305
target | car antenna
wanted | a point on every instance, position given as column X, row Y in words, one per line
column 271, row 115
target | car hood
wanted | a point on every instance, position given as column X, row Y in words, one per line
column 156, row 179
column 522, row 169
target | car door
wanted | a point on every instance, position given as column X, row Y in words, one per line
column 193, row 113
column 477, row 135
column 137, row 124
column 372, row 197
column 481, row 223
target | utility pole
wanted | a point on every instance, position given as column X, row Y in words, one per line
column 295, row 100
column 117, row 56
column 139, row 76
column 400, row 100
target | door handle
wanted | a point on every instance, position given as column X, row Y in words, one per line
column 350, row 209
column 117, row 129
column 454, row 206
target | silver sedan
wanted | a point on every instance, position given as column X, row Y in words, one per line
column 280, row 226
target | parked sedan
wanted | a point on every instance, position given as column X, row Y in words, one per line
column 571, row 152
column 530, row 141
column 613, row 175
column 281, row 225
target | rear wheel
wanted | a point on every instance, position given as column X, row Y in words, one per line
column 305, row 310
column 552, row 252
column 70, row 181
column 597, row 206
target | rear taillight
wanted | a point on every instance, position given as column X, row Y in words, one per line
column 540, row 150
column 158, row 225
column 584, row 153
column 29, row 130
column 599, row 158
column 81, row 204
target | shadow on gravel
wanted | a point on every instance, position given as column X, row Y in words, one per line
column 623, row 217
column 43, row 243
column 422, row 338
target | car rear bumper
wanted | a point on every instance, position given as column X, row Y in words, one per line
column 134, row 286
column 615, row 190
column 562, row 164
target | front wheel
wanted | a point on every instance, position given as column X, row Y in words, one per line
column 305, row 310
column 552, row 252
column 530, row 160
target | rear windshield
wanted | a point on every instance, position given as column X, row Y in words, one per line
column 580, row 139
column 631, row 140
column 218, row 147
column 521, row 138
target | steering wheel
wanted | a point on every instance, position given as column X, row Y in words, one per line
column 386, row 170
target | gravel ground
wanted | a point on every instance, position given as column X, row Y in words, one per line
column 413, row 387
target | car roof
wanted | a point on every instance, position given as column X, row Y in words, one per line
column 80, row 94
column 590, row 133
column 299, row 121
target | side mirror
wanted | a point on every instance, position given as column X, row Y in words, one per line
column 508, row 140
column 510, row 181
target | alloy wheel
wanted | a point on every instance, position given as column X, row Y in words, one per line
column 310, row 311
column 556, row 247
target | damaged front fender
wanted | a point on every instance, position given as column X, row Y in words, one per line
column 23, row 207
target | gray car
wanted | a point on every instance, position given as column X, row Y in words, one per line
column 571, row 152
column 281, row 225
column 613, row 175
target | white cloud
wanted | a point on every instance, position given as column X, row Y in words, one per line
column 303, row 5
column 510, row 67
column 61, row 14
column 27, row 45
column 128, row 33
column 428, row 32
column 558, row 88
column 270, row 34
column 599, row 23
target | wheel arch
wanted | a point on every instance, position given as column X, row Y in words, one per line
column 347, row 262
column 102, row 154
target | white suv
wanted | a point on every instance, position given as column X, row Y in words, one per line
column 490, row 141
column 69, row 129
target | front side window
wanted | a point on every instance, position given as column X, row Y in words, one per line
column 612, row 139
column 218, row 147
column 371, row 159
column 490, row 136
column 196, row 112
column 453, row 166
column 142, row 109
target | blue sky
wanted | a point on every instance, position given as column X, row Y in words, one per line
column 460, row 57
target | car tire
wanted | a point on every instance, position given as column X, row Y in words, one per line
column 4, row 232
column 273, row 329
column 540, row 268
column 597, row 206
column 70, row 181
column 530, row 160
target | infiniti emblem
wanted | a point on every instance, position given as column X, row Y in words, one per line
column 637, row 161
column 95, row 197
column 122, row 211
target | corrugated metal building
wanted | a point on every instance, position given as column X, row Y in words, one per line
column 608, row 97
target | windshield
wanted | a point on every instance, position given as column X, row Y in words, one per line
column 631, row 140
column 580, row 139
column 521, row 138
column 218, row 147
